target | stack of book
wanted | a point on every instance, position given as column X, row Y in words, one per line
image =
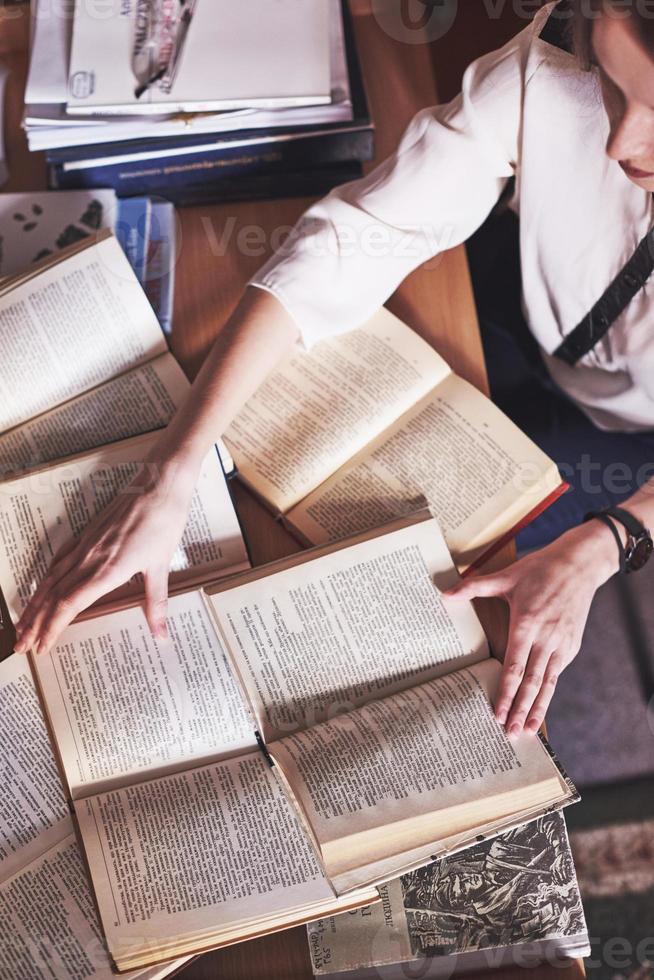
column 34, row 225
column 197, row 100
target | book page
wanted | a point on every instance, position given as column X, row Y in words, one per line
column 479, row 473
column 196, row 854
column 530, row 807
column 516, row 889
column 69, row 326
column 49, row 926
column 124, row 705
column 33, row 809
column 43, row 510
column 324, row 405
column 137, row 401
column 403, row 771
column 355, row 624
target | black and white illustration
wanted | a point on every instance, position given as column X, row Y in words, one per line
column 34, row 225
column 518, row 887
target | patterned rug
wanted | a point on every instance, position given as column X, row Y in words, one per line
column 615, row 868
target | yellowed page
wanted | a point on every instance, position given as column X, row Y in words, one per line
column 322, row 406
column 370, row 937
column 317, row 639
column 49, row 926
column 70, row 326
column 33, row 809
column 124, row 705
column 45, row 509
column 137, row 401
column 48, row 923
column 371, row 781
column 182, row 859
column 479, row 473
column 380, row 871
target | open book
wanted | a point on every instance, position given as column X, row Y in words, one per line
column 368, row 425
column 48, row 922
column 309, row 730
column 85, row 365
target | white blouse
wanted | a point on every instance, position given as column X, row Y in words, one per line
column 527, row 111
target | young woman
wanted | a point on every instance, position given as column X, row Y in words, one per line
column 576, row 131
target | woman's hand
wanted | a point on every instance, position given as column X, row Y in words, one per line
column 138, row 532
column 549, row 593
column 140, row 529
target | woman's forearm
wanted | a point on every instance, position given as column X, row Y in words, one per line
column 256, row 337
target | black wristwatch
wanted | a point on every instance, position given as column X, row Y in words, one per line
column 639, row 547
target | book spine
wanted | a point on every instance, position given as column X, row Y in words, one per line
column 132, row 229
column 163, row 174
column 515, row 530
column 261, row 187
column 160, row 263
column 252, row 187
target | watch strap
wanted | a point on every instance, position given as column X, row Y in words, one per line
column 631, row 523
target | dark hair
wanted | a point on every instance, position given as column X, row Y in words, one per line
column 586, row 12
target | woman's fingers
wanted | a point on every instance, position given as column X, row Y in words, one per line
column 156, row 601
column 69, row 587
column 67, row 599
column 478, row 586
column 518, row 645
column 62, row 564
column 539, row 708
column 530, row 686
column 66, row 549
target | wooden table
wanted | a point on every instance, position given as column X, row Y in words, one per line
column 212, row 269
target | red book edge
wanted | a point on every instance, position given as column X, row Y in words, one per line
column 510, row 534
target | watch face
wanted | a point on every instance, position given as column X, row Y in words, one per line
column 641, row 553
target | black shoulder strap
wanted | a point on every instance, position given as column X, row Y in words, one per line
column 629, row 281
column 557, row 27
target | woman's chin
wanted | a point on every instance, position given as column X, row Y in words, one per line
column 647, row 183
